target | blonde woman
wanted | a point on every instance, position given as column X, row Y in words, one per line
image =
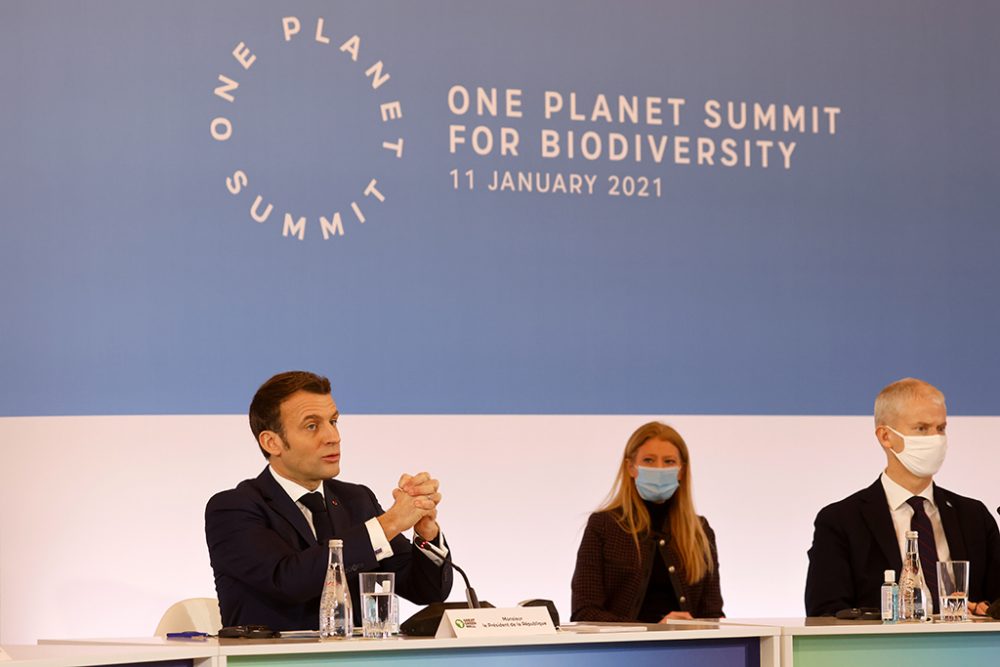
column 646, row 556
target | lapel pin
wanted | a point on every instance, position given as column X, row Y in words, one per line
column 333, row 501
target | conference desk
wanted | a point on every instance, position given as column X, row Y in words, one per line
column 695, row 644
column 829, row 642
column 811, row 642
column 79, row 653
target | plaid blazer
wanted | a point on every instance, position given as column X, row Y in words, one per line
column 610, row 579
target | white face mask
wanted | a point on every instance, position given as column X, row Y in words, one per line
column 922, row 454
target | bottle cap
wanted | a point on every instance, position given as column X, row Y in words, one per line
column 890, row 576
column 336, row 544
column 911, row 534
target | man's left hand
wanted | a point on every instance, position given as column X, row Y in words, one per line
column 422, row 484
column 428, row 527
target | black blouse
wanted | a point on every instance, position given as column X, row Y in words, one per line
column 660, row 597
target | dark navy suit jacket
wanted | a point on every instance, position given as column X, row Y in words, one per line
column 269, row 569
column 855, row 542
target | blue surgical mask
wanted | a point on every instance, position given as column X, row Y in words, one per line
column 656, row 484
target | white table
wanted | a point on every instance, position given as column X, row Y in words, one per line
column 704, row 644
column 830, row 642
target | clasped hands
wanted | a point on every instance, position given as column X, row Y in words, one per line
column 979, row 608
column 415, row 501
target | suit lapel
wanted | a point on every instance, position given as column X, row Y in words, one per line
column 278, row 500
column 952, row 528
column 875, row 510
column 338, row 512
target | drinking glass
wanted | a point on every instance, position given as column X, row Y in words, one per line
column 953, row 589
column 377, row 591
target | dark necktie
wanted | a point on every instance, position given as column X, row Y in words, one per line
column 321, row 518
column 928, row 548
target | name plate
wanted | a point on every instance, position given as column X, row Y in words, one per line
column 508, row 622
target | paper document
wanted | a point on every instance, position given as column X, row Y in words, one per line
column 588, row 628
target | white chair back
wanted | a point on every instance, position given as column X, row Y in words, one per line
column 198, row 614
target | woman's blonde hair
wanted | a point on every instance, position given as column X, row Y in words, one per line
column 631, row 514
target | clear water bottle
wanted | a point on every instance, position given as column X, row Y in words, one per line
column 914, row 597
column 890, row 598
column 336, row 618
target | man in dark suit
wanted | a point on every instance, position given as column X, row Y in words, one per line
column 858, row 538
column 267, row 538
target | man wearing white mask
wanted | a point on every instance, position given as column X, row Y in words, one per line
column 858, row 538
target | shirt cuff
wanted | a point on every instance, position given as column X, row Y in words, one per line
column 380, row 545
column 441, row 547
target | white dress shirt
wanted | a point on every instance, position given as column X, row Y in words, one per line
column 380, row 544
column 295, row 491
column 902, row 513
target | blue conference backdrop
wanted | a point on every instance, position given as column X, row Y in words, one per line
column 521, row 207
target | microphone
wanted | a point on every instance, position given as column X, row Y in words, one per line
column 425, row 622
column 470, row 593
